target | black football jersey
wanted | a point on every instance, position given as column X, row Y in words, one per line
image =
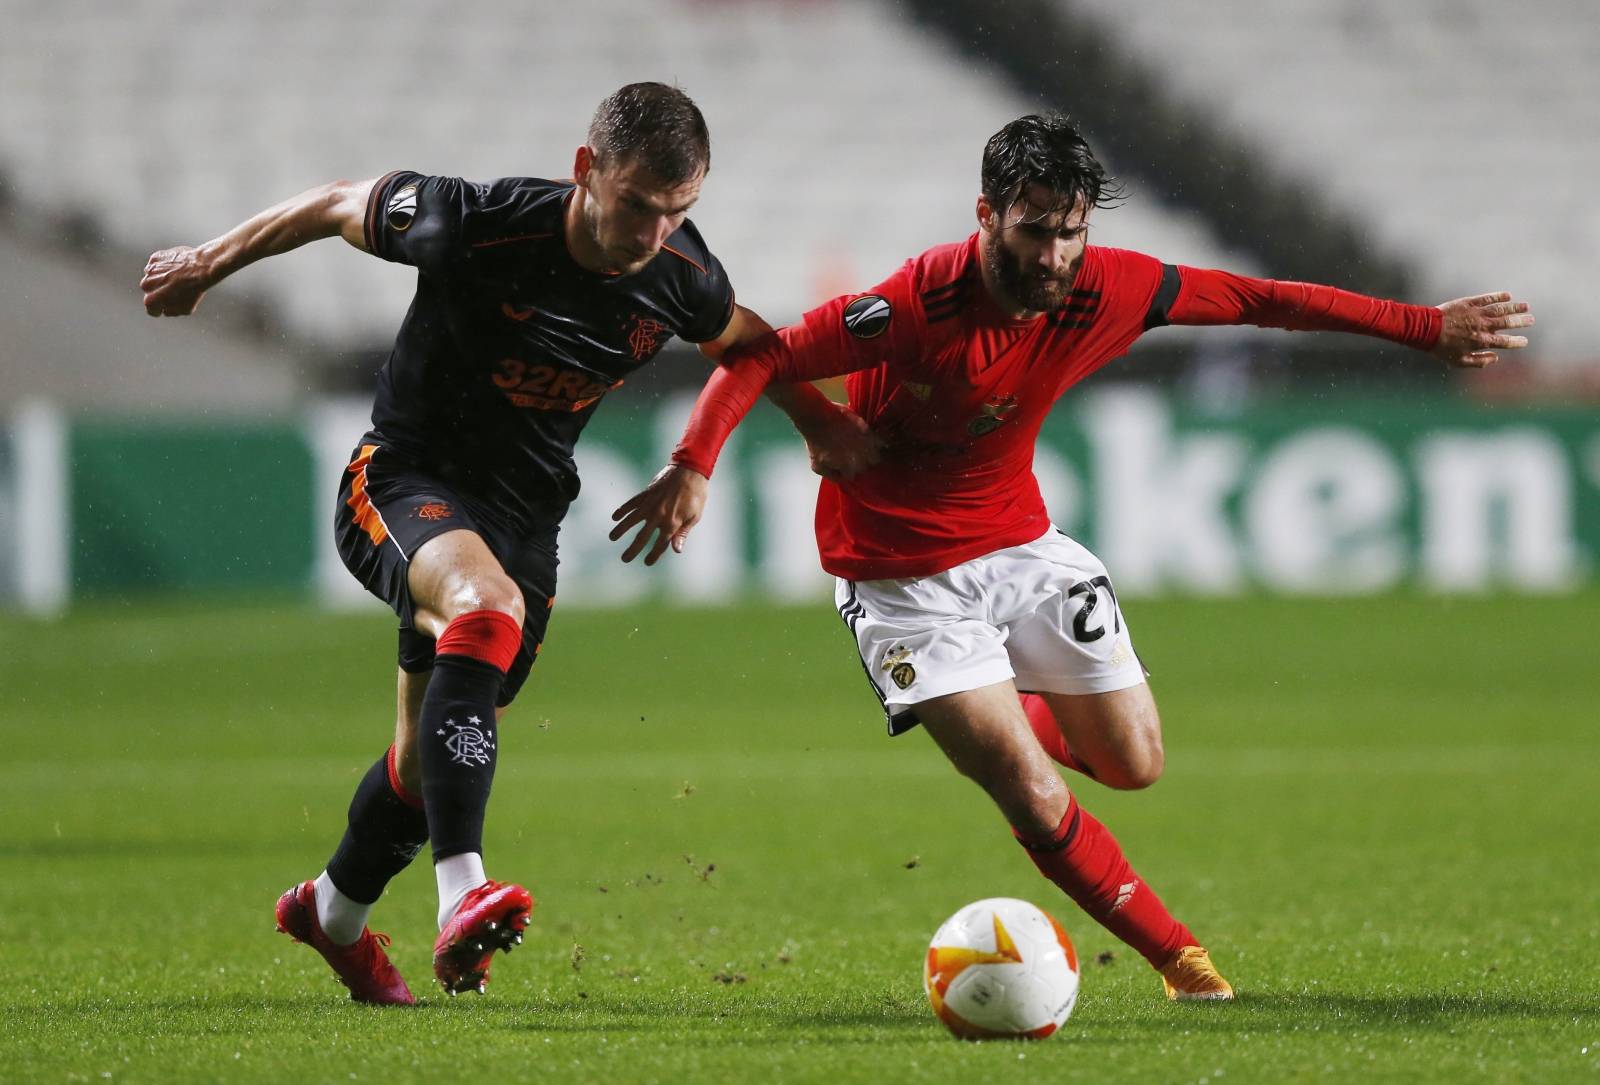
column 509, row 345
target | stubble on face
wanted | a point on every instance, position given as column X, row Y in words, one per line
column 627, row 192
column 614, row 260
column 1034, row 291
column 1018, row 274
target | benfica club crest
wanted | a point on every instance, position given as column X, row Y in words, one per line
column 996, row 411
column 897, row 662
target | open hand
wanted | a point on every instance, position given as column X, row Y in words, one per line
column 1475, row 327
column 174, row 281
column 667, row 509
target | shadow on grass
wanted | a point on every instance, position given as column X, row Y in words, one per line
column 1260, row 1011
column 754, row 1019
column 572, row 1015
column 760, row 1021
column 778, row 1026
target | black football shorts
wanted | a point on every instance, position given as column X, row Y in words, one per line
column 389, row 507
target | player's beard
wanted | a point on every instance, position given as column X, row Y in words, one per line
column 1035, row 292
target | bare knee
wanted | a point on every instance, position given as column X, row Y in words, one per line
column 1032, row 799
column 1136, row 767
column 455, row 574
column 1118, row 736
column 476, row 590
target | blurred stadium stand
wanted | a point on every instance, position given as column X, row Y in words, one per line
column 845, row 138
column 70, row 335
column 1462, row 135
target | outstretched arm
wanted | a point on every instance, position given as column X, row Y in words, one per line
column 1463, row 332
column 672, row 504
column 176, row 279
column 837, row 440
column 847, row 334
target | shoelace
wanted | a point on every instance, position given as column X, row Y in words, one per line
column 371, row 947
column 1192, row 966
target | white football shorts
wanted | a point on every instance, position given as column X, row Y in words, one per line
column 1043, row 614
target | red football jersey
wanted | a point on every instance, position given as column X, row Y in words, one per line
column 958, row 389
column 959, row 393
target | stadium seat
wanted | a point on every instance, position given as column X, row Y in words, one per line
column 1463, row 131
column 845, row 138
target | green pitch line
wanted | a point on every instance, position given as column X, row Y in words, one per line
column 1379, row 814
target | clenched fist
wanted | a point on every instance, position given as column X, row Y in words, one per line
column 174, row 281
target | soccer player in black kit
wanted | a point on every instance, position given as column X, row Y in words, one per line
column 534, row 300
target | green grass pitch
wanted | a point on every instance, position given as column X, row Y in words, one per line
column 1381, row 814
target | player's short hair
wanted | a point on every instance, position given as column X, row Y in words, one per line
column 1045, row 150
column 655, row 125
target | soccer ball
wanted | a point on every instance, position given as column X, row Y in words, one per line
column 1001, row 969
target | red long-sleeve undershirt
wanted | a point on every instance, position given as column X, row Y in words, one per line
column 1206, row 297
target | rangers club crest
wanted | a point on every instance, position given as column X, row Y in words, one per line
column 644, row 336
column 868, row 316
column 467, row 743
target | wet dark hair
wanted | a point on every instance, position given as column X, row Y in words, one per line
column 655, row 125
column 1045, row 150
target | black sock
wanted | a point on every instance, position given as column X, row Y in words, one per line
column 458, row 741
column 384, row 834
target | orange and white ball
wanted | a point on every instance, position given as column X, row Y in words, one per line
column 1001, row 969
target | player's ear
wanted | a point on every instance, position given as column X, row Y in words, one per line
column 582, row 165
column 986, row 216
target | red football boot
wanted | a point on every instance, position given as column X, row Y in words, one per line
column 492, row 916
column 361, row 966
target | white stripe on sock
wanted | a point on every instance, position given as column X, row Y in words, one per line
column 340, row 918
column 457, row 875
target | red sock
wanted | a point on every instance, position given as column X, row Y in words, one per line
column 1084, row 859
column 1048, row 732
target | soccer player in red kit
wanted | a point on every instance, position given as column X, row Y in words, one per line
column 973, row 615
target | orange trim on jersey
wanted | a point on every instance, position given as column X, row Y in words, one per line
column 681, row 256
column 366, row 516
column 510, row 240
